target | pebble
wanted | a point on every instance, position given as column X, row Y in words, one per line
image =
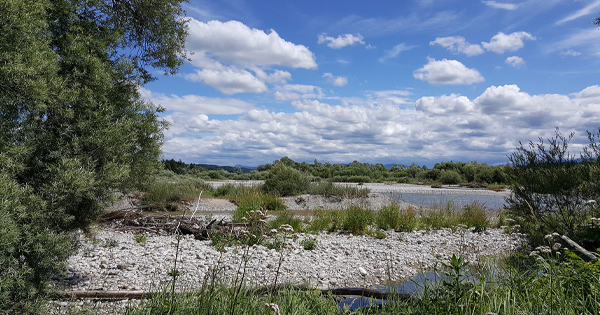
column 359, row 261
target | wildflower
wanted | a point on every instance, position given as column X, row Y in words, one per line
column 509, row 220
column 273, row 231
column 556, row 246
column 260, row 213
column 262, row 221
column 549, row 236
column 274, row 307
column 556, row 234
column 591, row 202
column 544, row 249
column 286, row 227
column 534, row 253
column 244, row 219
column 516, row 226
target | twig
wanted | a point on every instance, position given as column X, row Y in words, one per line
column 197, row 204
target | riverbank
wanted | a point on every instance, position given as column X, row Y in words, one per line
column 113, row 260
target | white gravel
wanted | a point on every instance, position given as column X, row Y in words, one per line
column 336, row 261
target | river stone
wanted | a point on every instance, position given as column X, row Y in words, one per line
column 362, row 271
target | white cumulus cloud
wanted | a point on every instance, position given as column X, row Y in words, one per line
column 337, row 81
column 447, row 72
column 497, row 5
column 341, row 41
column 195, row 104
column 458, row 44
column 229, row 81
column 234, row 58
column 452, row 104
column 292, row 92
column 236, row 43
column 501, row 42
column 515, row 61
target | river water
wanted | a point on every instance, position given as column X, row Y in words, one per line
column 442, row 199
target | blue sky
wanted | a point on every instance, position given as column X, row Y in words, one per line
column 421, row 81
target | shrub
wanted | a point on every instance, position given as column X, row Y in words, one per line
column 285, row 181
column 140, row 238
column 388, row 217
column 357, row 219
column 309, row 243
column 450, row 177
column 549, row 185
column 243, row 209
column 474, row 216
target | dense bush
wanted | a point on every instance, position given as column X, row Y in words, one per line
column 286, row 181
column 73, row 128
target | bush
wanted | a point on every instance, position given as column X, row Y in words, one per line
column 450, row 177
column 550, row 186
column 357, row 219
column 285, row 181
column 309, row 243
column 474, row 216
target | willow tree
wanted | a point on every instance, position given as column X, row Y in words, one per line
column 73, row 128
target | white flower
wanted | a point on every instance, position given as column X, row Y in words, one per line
column 533, row 253
column 274, row 307
column 591, row 202
column 509, row 220
column 556, row 246
column 549, row 236
column 273, row 231
column 556, row 234
column 544, row 249
column 286, row 227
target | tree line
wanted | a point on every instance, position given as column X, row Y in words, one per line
column 444, row 172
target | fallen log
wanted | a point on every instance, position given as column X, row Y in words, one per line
column 589, row 255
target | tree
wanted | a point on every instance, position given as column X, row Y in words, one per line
column 73, row 128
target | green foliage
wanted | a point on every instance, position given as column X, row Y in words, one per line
column 550, row 187
column 309, row 243
column 474, row 216
column 140, row 238
column 286, row 217
column 73, row 129
column 450, row 177
column 166, row 195
column 285, row 181
column 392, row 217
column 357, row 219
column 378, row 234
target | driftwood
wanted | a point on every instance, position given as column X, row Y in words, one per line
column 134, row 220
column 587, row 254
